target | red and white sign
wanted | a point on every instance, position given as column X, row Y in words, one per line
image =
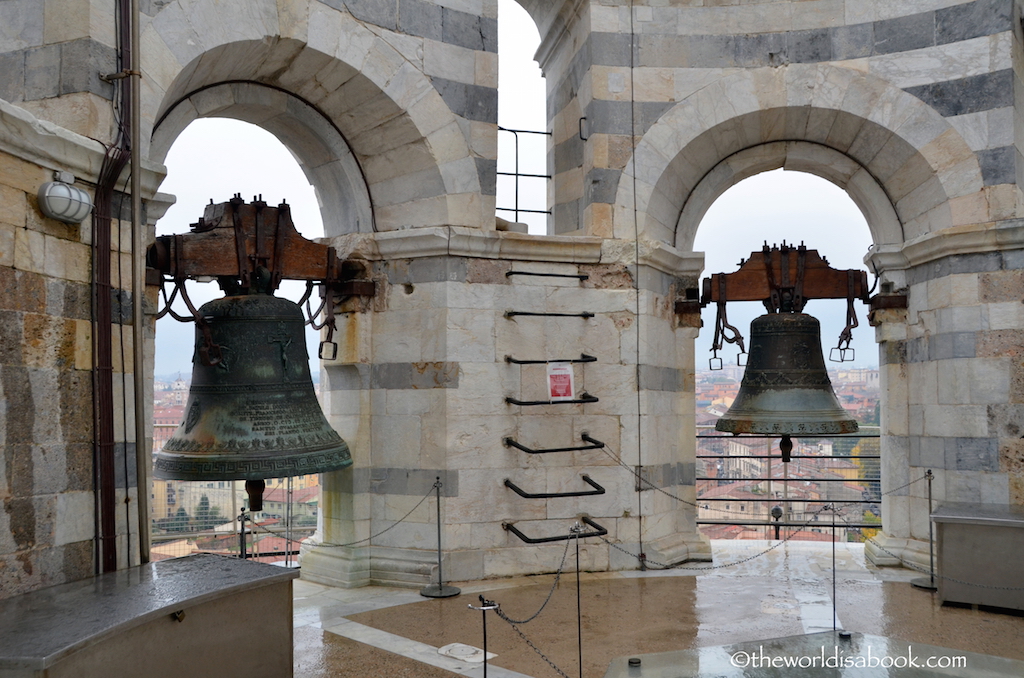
column 560, row 382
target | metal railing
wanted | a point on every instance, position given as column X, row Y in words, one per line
column 206, row 517
column 517, row 175
column 740, row 480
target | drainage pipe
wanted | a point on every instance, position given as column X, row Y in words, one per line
column 142, row 456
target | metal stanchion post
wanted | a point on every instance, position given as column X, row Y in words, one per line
column 439, row 590
column 484, row 606
column 928, row 584
column 576, row 530
column 835, row 602
column 241, row 535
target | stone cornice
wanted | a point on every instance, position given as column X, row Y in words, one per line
column 460, row 241
column 50, row 146
column 969, row 239
column 553, row 35
column 668, row 259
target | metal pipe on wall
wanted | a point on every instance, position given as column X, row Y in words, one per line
column 142, row 454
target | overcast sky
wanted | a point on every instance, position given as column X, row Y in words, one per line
column 773, row 206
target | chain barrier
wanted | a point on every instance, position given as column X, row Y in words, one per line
column 372, row 536
column 514, row 623
column 639, row 477
column 554, row 585
column 501, row 615
column 662, row 566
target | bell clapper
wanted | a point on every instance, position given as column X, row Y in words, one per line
column 254, row 488
column 786, row 446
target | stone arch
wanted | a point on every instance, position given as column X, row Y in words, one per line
column 330, row 71
column 317, row 145
column 800, row 156
column 876, row 141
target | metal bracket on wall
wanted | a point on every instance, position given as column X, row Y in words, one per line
column 594, row 445
column 584, row 358
column 599, row 532
column 580, row 276
column 584, row 399
column 585, row 314
column 552, row 495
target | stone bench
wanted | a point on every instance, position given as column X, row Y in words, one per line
column 204, row 615
column 979, row 550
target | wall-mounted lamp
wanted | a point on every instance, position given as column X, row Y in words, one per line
column 59, row 200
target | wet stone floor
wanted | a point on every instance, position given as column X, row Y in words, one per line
column 692, row 613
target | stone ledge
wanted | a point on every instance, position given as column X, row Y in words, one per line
column 53, row 147
column 460, row 241
column 957, row 240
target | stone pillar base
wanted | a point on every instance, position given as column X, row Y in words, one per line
column 383, row 566
column 887, row 551
column 345, row 568
column 679, row 548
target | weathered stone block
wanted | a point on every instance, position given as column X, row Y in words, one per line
column 1006, row 420
column 953, row 381
column 74, row 393
column 416, row 17
column 471, row 335
column 928, row 452
column 905, row 33
column 383, row 13
column 81, row 64
column 42, row 72
column 29, row 251
column 950, row 421
column 12, row 75
column 852, row 42
column 972, row 454
column 968, row 95
column 972, row 19
column 472, row 102
column 998, row 165
column 48, row 342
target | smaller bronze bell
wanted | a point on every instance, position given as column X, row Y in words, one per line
column 785, row 389
column 251, row 412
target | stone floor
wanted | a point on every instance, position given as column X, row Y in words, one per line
column 746, row 596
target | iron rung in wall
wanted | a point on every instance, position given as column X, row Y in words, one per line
column 584, row 358
column 598, row 532
column 594, row 445
column 582, row 400
column 553, row 495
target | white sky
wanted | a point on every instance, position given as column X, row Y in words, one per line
column 216, row 158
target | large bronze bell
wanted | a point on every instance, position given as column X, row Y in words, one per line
column 251, row 412
column 785, row 389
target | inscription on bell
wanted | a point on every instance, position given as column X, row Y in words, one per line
column 276, row 419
